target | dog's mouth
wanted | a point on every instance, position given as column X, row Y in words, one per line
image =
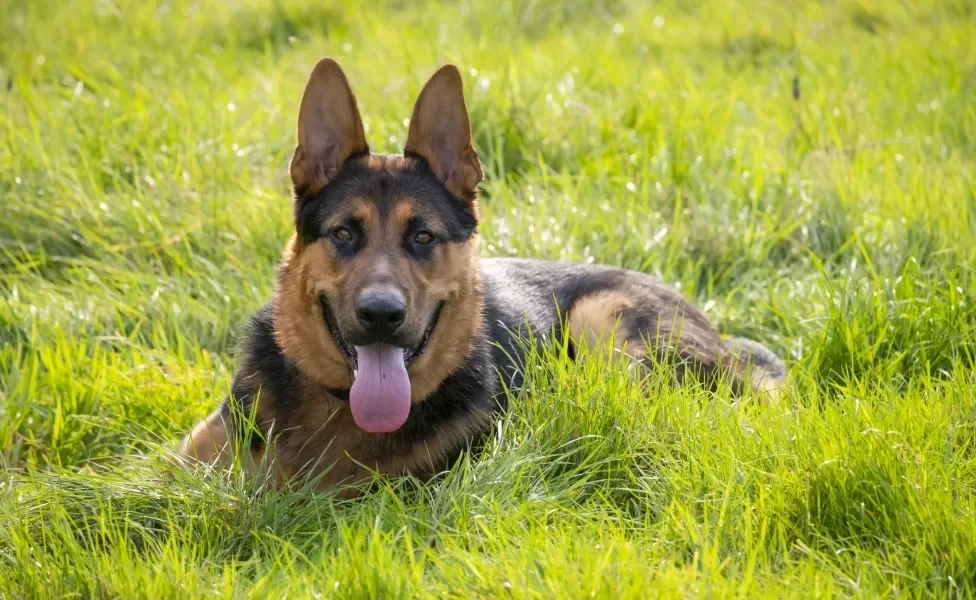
column 349, row 352
column 380, row 395
column 333, row 327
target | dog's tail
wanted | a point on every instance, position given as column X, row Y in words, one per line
column 757, row 365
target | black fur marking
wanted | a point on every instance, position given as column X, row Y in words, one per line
column 349, row 248
column 419, row 251
column 338, row 394
column 266, row 373
column 462, row 222
column 530, row 299
column 356, row 179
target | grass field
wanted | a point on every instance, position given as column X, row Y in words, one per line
column 805, row 173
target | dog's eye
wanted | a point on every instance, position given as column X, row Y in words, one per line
column 342, row 234
column 424, row 237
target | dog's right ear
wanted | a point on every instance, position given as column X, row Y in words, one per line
column 440, row 133
column 329, row 129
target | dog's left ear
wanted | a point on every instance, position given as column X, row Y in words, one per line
column 440, row 133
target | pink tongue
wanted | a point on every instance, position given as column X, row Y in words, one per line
column 380, row 394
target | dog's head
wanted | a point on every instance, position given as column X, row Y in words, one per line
column 380, row 290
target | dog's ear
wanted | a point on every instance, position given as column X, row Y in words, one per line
column 329, row 128
column 440, row 133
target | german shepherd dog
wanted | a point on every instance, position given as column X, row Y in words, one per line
column 387, row 343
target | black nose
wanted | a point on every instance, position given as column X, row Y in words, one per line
column 381, row 313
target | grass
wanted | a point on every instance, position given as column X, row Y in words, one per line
column 805, row 173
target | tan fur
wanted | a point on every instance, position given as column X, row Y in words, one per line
column 306, row 274
column 366, row 212
column 765, row 383
column 595, row 317
column 387, row 162
column 456, row 278
column 309, row 272
column 207, row 442
column 403, row 211
column 753, row 369
column 759, row 379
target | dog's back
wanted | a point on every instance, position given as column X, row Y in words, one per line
column 640, row 316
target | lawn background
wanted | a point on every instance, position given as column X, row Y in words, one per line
column 803, row 171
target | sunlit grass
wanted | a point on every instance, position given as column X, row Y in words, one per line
column 804, row 173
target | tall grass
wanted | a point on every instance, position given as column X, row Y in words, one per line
column 803, row 172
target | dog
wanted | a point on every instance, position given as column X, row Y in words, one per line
column 387, row 344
